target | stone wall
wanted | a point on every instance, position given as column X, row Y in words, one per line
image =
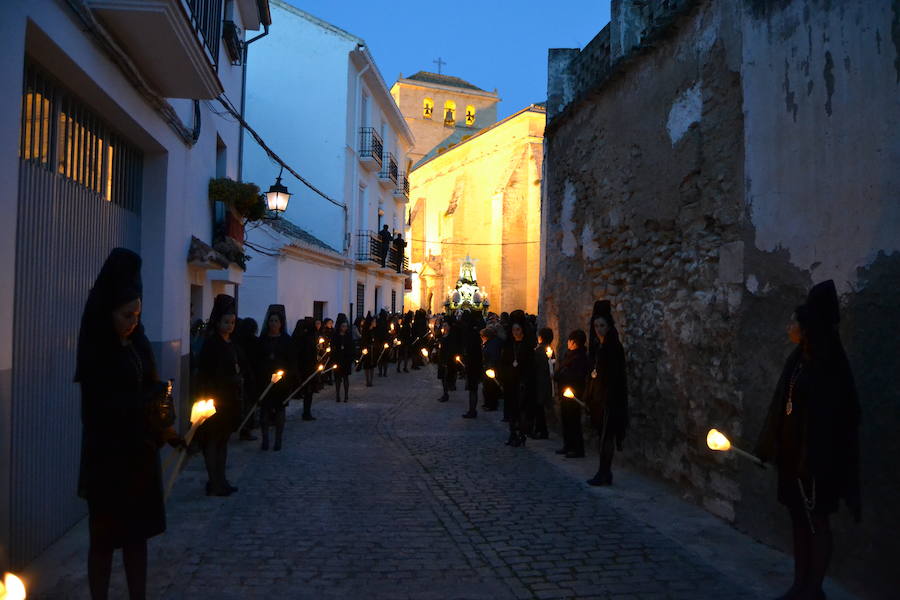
column 702, row 182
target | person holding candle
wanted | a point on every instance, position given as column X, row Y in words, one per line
column 275, row 352
column 811, row 434
column 221, row 378
column 245, row 337
column 491, row 348
column 305, row 342
column 369, row 349
column 607, row 390
column 572, row 372
column 419, row 335
column 382, row 337
column 516, row 373
column 473, row 323
column 543, row 385
column 120, row 474
column 342, row 353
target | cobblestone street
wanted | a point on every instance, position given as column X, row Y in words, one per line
column 395, row 496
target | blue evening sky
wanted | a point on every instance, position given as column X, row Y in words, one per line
column 491, row 43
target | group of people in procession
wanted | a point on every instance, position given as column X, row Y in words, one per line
column 810, row 434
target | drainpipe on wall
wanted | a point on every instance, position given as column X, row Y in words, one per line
column 351, row 289
column 244, row 97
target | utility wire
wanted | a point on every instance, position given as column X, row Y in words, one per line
column 476, row 243
column 223, row 100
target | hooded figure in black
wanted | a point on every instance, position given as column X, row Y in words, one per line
column 447, row 350
column 382, row 337
column 220, row 378
column 607, row 391
column 122, row 426
column 472, row 324
column 368, row 349
column 516, row 372
column 275, row 352
column 420, row 338
column 305, row 349
column 543, row 385
column 572, row 372
column 405, row 336
column 811, row 434
column 343, row 352
column 245, row 333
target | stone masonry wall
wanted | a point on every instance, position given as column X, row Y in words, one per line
column 702, row 183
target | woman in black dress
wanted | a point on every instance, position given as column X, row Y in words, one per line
column 607, row 392
column 275, row 352
column 572, row 372
column 368, row 349
column 123, row 427
column 543, row 386
column 305, row 349
column 517, row 376
column 245, row 337
column 473, row 323
column 220, row 378
column 811, row 434
column 342, row 354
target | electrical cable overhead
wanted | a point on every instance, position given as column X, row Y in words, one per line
column 224, row 101
column 476, row 243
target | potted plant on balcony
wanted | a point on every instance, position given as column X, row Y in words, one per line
column 243, row 203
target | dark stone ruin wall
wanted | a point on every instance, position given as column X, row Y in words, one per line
column 699, row 192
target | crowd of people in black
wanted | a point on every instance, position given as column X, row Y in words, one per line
column 127, row 413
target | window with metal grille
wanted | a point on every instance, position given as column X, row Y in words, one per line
column 393, row 301
column 318, row 310
column 360, row 299
column 63, row 135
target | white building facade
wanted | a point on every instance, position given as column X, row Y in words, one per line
column 112, row 131
column 315, row 94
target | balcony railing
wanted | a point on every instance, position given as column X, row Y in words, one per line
column 369, row 248
column 389, row 171
column 371, row 148
column 206, row 21
column 402, row 189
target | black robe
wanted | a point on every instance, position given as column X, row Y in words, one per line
column 516, row 370
column 607, row 394
column 274, row 354
column 343, row 352
column 220, row 378
column 819, row 441
column 120, row 474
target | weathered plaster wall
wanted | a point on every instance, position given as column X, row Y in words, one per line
column 702, row 184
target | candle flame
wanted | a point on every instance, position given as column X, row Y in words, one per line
column 568, row 393
column 386, row 344
column 490, row 373
column 365, row 351
column 321, row 340
column 549, row 352
column 424, row 352
column 277, row 375
column 328, row 349
column 458, row 359
column 716, row 441
column 12, row 588
column 202, row 409
column 321, row 367
column 397, row 342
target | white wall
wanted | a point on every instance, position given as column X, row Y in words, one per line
column 296, row 100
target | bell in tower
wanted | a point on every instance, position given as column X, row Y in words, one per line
column 449, row 118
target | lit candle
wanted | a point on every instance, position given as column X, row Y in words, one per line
column 568, row 393
column 460, row 361
column 200, row 412
column 424, row 352
column 12, row 588
column 717, row 441
column 492, row 375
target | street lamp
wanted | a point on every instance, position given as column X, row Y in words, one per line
column 277, row 197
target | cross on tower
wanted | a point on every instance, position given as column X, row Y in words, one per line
column 440, row 63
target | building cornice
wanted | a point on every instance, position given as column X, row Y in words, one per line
column 447, row 88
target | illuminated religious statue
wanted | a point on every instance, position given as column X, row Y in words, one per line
column 467, row 295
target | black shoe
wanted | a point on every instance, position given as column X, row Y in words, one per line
column 470, row 415
column 563, row 450
column 246, row 436
column 308, row 418
column 265, row 445
column 276, row 447
column 574, row 454
column 231, row 488
column 542, row 435
column 443, row 398
column 346, row 399
column 405, row 370
column 522, row 439
column 513, row 440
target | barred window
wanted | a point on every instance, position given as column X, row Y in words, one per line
column 62, row 134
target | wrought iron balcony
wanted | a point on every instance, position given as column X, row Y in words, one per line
column 402, row 189
column 389, row 172
column 206, row 21
column 369, row 248
column 371, row 148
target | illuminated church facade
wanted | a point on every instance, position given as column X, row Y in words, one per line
column 476, row 191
